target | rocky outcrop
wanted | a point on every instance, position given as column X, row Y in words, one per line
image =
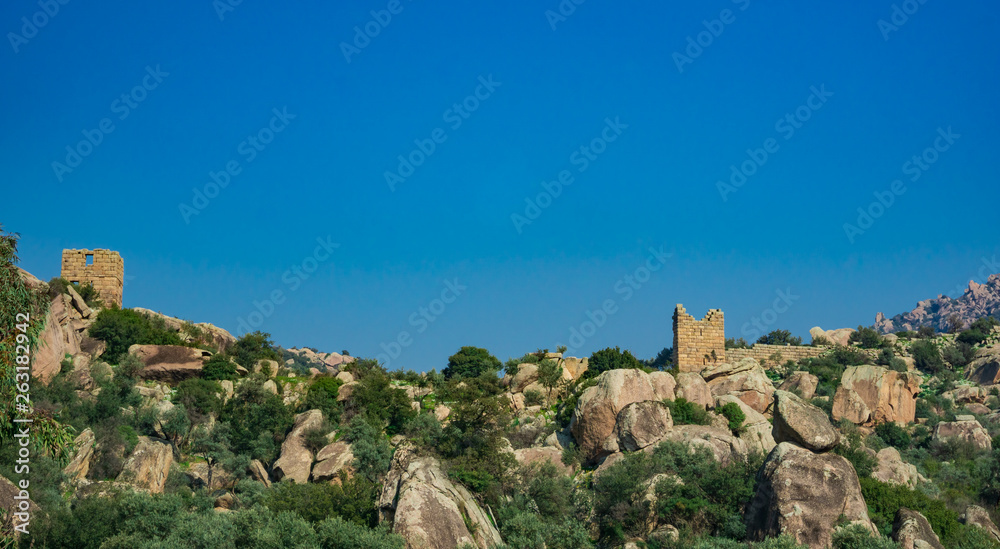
column 912, row 531
column 872, row 394
column 331, row 460
column 545, row 454
column 977, row 516
column 597, row 408
column 322, row 361
column 802, row 383
column 797, row 421
column 840, row 336
column 965, row 429
column 259, row 473
column 745, row 380
column 430, row 511
column 61, row 336
column 148, row 466
column 79, row 466
column 893, row 470
column 641, row 424
column 692, row 387
column 756, row 428
column 169, row 363
column 977, row 301
column 803, row 495
column 725, row 447
column 218, row 338
column 11, row 498
column 985, row 367
column 296, row 460
column 664, row 385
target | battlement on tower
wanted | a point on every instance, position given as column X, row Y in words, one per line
column 104, row 269
column 698, row 344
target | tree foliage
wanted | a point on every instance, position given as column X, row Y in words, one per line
column 471, row 362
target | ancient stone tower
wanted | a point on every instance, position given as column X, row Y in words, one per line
column 102, row 268
column 698, row 343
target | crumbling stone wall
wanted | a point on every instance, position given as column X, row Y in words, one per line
column 698, row 344
column 775, row 355
column 106, row 272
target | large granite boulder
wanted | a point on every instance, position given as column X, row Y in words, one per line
column 802, row 383
column 692, row 387
column 725, row 447
column 664, row 385
column 331, row 460
column 148, row 466
column 746, row 380
column 597, row 408
column 544, row 454
column 17, row 504
column 169, row 363
column 756, row 428
column 892, row 469
column 642, row 424
column 797, row 421
column 259, row 473
column 872, row 394
column 296, row 460
column 216, row 337
column 804, row 495
column 840, row 336
column 977, row 516
column 79, row 466
column 965, row 429
column 428, row 509
column 911, row 530
column 61, row 336
column 985, row 367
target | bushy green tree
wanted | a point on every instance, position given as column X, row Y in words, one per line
column 322, row 395
column 867, row 337
column 685, row 412
column 352, row 500
column 471, row 362
column 199, row 397
column 122, row 328
column 549, row 375
column 779, row 337
column 372, row 453
column 926, row 356
column 254, row 346
column 381, row 403
column 611, row 358
column 218, row 368
column 258, row 420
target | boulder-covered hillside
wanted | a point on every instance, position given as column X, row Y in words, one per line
column 942, row 313
column 153, row 432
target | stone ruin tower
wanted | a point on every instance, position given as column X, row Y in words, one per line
column 102, row 268
column 698, row 344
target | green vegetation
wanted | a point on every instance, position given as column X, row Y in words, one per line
column 867, row 337
column 122, row 328
column 611, row 358
column 258, row 420
column 732, row 412
column 471, row 362
column 685, row 412
column 927, row 357
column 252, row 347
column 779, row 337
column 218, row 368
column 322, row 395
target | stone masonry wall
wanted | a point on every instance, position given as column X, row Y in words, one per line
column 698, row 343
column 762, row 353
column 107, row 273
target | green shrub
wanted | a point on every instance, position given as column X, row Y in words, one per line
column 734, row 414
column 958, row 354
column 471, row 362
column 424, row 430
column 779, row 337
column 893, row 435
column 853, row 449
column 867, row 337
column 971, row 337
column 857, row 536
column 218, row 368
column 926, row 357
column 315, row 437
column 737, row 343
column 352, row 500
column 122, row 328
column 258, row 419
column 372, row 453
column 336, row 533
column 611, row 358
column 322, row 395
column 884, row 500
column 254, row 346
column 685, row 412
column 381, row 402
column 898, row 365
column 200, row 397
column 533, row 398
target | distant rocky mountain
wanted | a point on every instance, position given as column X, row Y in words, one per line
column 977, row 301
column 304, row 358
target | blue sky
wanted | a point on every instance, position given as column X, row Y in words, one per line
column 202, row 93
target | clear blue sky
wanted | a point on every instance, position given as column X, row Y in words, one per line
column 211, row 84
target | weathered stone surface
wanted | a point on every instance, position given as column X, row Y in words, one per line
column 840, row 336
column 331, row 460
column 746, row 380
column 227, row 390
column 296, row 460
column 795, row 420
column 977, row 301
column 725, row 447
column 803, row 383
column 664, row 385
column 529, row 456
column 428, row 510
column 346, row 377
column 216, row 337
column 57, row 339
column 169, row 363
column 872, row 394
column 213, row 478
column 641, row 424
column 892, row 469
column 597, row 409
column 726, row 369
column 977, row 516
column 8, row 492
column 574, row 367
column 756, row 428
column 271, row 387
column 527, row 374
column 965, row 429
column 692, row 387
column 345, row 391
column 985, row 367
column 441, row 412
column 912, row 531
column 803, row 494
column 259, row 473
column 80, row 464
column 148, row 466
